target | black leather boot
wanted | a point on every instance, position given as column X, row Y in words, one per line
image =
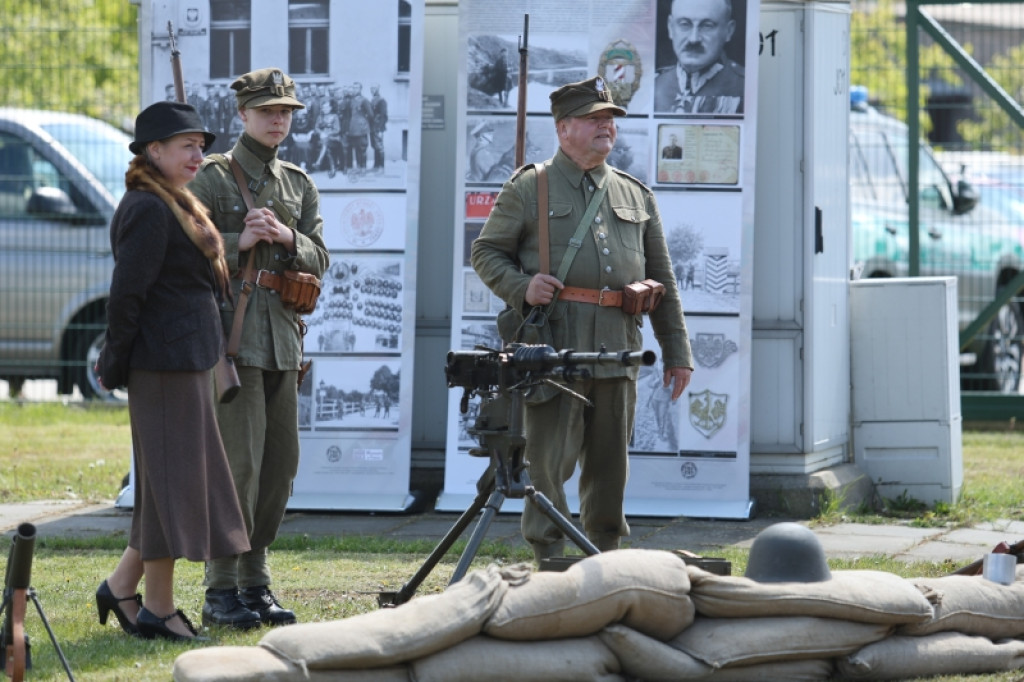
column 261, row 600
column 223, row 607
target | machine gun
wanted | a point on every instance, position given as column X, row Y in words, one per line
column 503, row 379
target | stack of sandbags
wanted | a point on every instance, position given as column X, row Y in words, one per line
column 645, row 615
column 509, row 624
column 745, row 630
column 974, row 629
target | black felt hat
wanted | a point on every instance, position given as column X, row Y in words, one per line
column 166, row 119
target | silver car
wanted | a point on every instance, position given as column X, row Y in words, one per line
column 61, row 177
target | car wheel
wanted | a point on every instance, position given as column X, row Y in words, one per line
column 88, row 345
column 1000, row 363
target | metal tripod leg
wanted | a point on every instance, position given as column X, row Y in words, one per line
column 491, row 509
column 573, row 533
column 485, row 486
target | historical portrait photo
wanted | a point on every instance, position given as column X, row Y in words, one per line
column 699, row 57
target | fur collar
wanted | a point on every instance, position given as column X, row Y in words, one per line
column 189, row 211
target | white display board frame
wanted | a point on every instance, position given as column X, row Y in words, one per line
column 355, row 407
column 690, row 458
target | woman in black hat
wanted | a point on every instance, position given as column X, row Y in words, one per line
column 163, row 337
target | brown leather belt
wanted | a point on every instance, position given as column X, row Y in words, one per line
column 606, row 298
column 266, row 279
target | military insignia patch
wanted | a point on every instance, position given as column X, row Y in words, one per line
column 708, row 411
column 621, row 67
column 711, row 350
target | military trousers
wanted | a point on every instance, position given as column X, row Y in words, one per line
column 564, row 432
column 261, row 437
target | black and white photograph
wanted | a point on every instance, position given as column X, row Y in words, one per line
column 360, row 307
column 482, row 333
column 700, row 56
column 705, row 250
column 356, row 393
column 477, row 299
column 491, row 146
column 492, row 69
column 632, row 150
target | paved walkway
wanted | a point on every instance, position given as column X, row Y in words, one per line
column 704, row 537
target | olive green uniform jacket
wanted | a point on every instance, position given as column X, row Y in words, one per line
column 624, row 244
column 270, row 335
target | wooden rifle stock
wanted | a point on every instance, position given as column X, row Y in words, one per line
column 179, row 80
column 520, row 148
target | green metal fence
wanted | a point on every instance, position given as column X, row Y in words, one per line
column 951, row 72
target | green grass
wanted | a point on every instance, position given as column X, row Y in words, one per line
column 54, row 451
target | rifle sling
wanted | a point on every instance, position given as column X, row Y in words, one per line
column 577, row 238
column 235, row 339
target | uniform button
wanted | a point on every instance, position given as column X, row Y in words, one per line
column 597, row 219
column 607, row 268
column 277, row 256
column 606, row 252
column 602, row 235
column 236, row 207
column 270, row 202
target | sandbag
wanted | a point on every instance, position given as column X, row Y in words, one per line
column 723, row 642
column 483, row 658
column 417, row 628
column 971, row 605
column 944, row 653
column 859, row 596
column 791, row 671
column 642, row 589
column 256, row 664
column 649, row 659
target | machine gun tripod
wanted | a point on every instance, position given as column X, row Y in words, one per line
column 502, row 380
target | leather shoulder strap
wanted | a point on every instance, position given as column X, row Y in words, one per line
column 542, row 218
column 235, row 339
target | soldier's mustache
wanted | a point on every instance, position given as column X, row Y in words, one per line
column 694, row 48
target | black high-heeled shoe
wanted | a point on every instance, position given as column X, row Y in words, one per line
column 107, row 602
column 152, row 626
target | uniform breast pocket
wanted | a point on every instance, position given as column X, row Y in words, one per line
column 559, row 210
column 232, row 210
column 630, row 223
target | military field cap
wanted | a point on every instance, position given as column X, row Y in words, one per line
column 166, row 119
column 264, row 88
column 585, row 97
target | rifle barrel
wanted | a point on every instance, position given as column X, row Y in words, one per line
column 520, row 146
column 179, row 80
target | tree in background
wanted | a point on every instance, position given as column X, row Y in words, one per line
column 992, row 128
column 80, row 56
column 878, row 58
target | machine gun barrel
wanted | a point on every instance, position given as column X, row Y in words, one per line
column 518, row 362
column 543, row 358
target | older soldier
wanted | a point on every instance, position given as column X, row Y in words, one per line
column 623, row 243
column 260, row 426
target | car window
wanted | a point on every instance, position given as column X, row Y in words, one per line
column 24, row 173
column 874, row 175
